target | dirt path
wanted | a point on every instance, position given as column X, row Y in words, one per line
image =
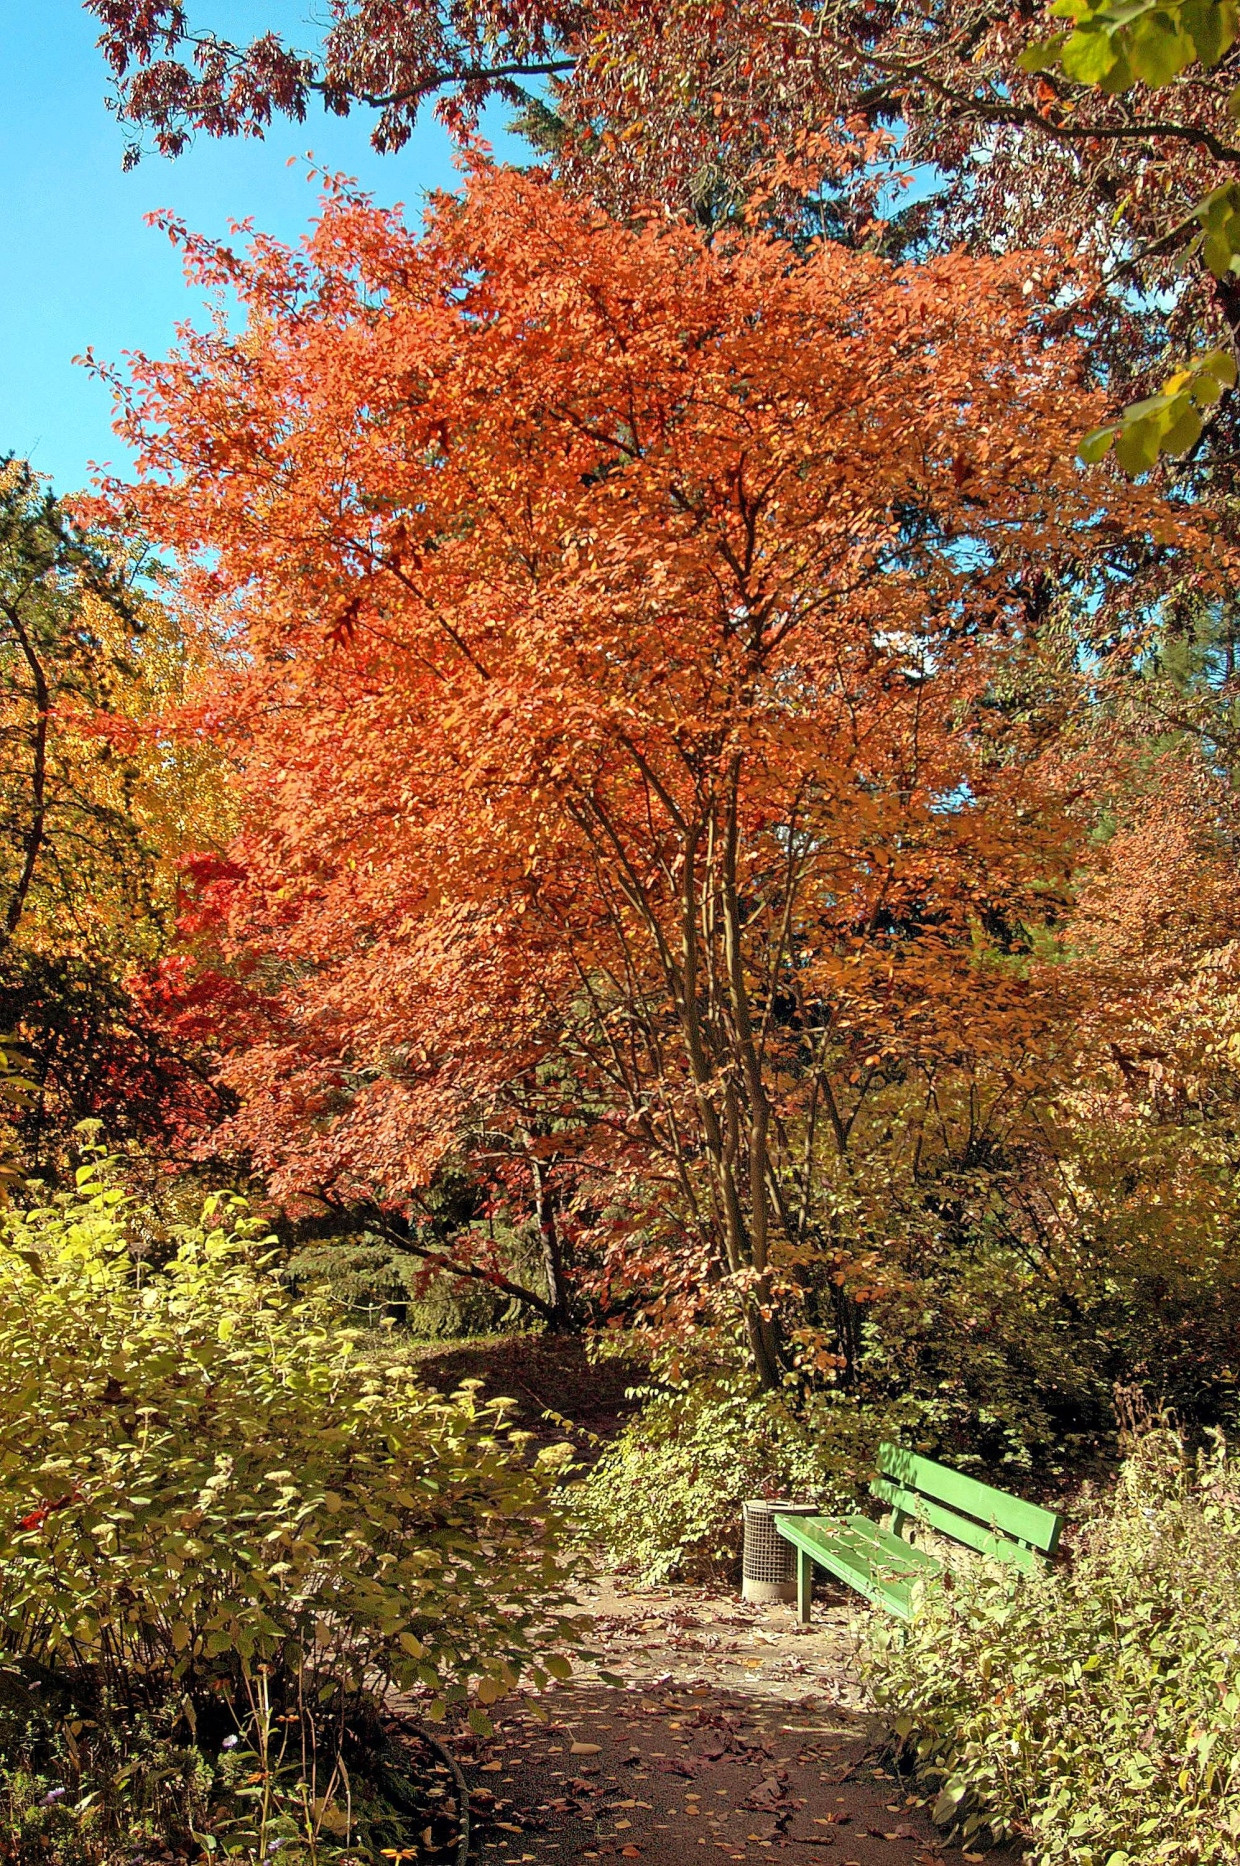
column 730, row 1731
column 733, row 1733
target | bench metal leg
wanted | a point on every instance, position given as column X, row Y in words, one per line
column 805, row 1585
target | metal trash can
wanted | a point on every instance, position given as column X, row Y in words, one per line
column 768, row 1563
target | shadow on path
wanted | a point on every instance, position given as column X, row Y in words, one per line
column 730, row 1734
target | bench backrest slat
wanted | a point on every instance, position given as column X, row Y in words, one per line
column 960, row 1528
column 994, row 1509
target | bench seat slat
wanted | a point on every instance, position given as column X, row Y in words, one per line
column 881, row 1545
column 869, row 1538
column 865, row 1555
column 850, row 1564
column 960, row 1528
column 1028, row 1522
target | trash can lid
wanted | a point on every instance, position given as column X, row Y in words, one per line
column 780, row 1506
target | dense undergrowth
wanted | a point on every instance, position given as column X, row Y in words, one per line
column 223, row 1535
column 1093, row 1710
column 664, row 1497
column 966, row 1345
column 972, row 1361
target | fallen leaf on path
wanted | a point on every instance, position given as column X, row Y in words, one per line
column 584, row 1749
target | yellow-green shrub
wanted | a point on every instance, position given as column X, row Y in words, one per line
column 665, row 1496
column 201, row 1484
column 1096, row 1709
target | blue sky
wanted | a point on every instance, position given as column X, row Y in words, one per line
column 79, row 266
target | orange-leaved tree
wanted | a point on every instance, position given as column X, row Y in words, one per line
column 622, row 622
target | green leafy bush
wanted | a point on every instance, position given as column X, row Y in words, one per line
column 209, row 1502
column 1094, row 1709
column 665, row 1497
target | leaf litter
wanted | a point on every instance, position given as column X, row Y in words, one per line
column 725, row 1733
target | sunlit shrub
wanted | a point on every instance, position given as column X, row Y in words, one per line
column 665, row 1497
column 1094, row 1709
column 206, row 1499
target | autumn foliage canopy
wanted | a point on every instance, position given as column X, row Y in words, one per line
column 629, row 637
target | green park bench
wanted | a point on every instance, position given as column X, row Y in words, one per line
column 881, row 1565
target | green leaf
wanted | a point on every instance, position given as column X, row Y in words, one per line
column 480, row 1723
column 1222, row 364
column 1213, row 26
column 1095, row 58
column 1157, row 55
column 949, row 1799
column 1183, row 430
column 1152, row 41
column 1136, row 445
column 1167, row 423
column 1219, row 250
column 1205, row 390
column 1096, row 444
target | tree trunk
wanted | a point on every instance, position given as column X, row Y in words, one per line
column 549, row 1235
column 37, row 829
